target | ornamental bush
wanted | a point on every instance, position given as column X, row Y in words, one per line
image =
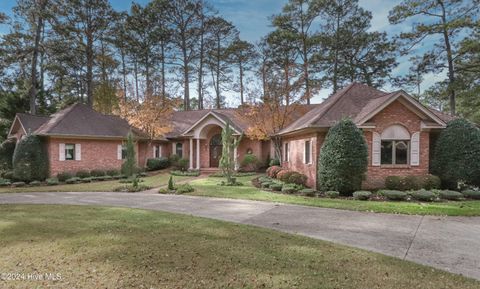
column 393, row 195
column 424, row 195
column 129, row 167
column 157, row 164
column 406, row 183
column 273, row 171
column 297, row 178
column 362, row 195
column 97, row 173
column 472, row 194
column 343, row 159
column 30, row 161
column 284, row 175
column 457, row 154
column 450, row 195
column 249, row 163
column 7, row 148
column 82, row 174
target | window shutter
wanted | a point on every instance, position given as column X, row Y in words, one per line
column 160, row 152
column 78, row 152
column 154, row 151
column 376, row 149
column 119, row 152
column 415, row 150
column 61, row 152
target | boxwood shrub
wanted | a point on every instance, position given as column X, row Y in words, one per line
column 30, row 161
column 5, row 183
column 82, row 174
column 97, row 173
column 19, row 184
column 7, row 148
column 52, row 182
column 394, row 195
column 472, row 194
column 62, row 177
column 73, row 180
column 308, row 192
column 276, row 187
column 157, row 164
column 450, row 195
column 362, row 195
column 112, row 172
column 289, row 189
column 332, row 194
column 406, row 183
column 424, row 195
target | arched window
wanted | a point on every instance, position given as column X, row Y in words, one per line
column 179, row 149
column 395, row 146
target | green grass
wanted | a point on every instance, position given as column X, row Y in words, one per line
column 105, row 186
column 97, row 247
column 208, row 187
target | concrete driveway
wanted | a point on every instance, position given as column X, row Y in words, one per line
column 448, row 243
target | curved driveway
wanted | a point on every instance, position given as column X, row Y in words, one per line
column 448, row 243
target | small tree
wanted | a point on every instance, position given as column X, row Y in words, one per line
column 343, row 159
column 227, row 161
column 30, row 162
column 457, row 154
column 7, row 148
column 129, row 167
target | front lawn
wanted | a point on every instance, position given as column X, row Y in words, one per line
column 97, row 247
column 153, row 181
column 208, row 187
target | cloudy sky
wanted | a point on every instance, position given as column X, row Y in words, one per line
column 251, row 18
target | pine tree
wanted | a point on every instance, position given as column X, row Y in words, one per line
column 129, row 167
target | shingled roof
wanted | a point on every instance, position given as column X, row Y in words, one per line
column 31, row 122
column 81, row 120
column 356, row 101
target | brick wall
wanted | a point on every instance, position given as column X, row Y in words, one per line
column 396, row 113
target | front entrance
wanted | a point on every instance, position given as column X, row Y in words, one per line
column 215, row 150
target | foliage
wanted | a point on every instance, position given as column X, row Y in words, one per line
column 308, row 192
column 129, row 167
column 171, row 185
column 472, row 194
column 5, row 182
column 276, row 187
column 405, row 183
column 237, row 174
column 424, row 195
column 112, row 172
column 249, row 163
column 394, row 195
column 73, row 180
column 185, row 173
column 30, row 161
column 362, row 195
column 157, row 164
column 297, row 178
column 273, row 171
column 289, row 189
column 343, row 159
column 131, row 188
column 52, row 182
column 62, row 177
column 450, row 195
column 332, row 194
column 18, row 184
column 97, row 173
column 274, row 162
column 229, row 145
column 7, row 148
column 284, row 175
column 83, row 174
column 457, row 154
column 184, row 189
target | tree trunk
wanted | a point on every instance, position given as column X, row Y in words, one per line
column 242, row 101
column 90, row 62
column 124, row 73
column 451, row 70
column 33, row 75
column 217, row 76
column 164, row 93
column 200, row 66
column 135, row 72
column 186, row 80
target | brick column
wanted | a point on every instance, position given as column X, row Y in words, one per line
column 198, row 154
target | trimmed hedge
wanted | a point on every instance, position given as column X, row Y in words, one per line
column 7, row 149
column 424, row 195
column 185, row 173
column 30, row 161
column 393, row 195
column 97, row 173
column 332, row 194
column 273, row 171
column 184, row 188
column 343, row 159
column 289, row 189
column 62, row 177
column 450, row 195
column 112, row 172
column 362, row 195
column 52, row 182
column 276, row 187
column 249, row 163
column 157, row 164
column 472, row 194
column 406, row 183
column 82, row 174
column 308, row 192
column 457, row 154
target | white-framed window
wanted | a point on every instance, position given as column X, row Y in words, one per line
column 307, row 152
column 124, row 151
column 395, row 152
column 179, row 149
column 69, row 152
column 157, row 149
column 286, row 152
column 395, row 146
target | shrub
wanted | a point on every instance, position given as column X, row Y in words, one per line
column 289, row 189
column 87, row 180
column 273, row 171
column 332, row 194
column 274, row 162
column 308, row 192
column 424, row 195
column 472, row 194
column 343, row 159
column 157, row 164
column 8, row 175
column 457, row 154
column 297, row 178
column 276, row 187
column 18, row 184
column 129, row 167
column 171, row 185
column 450, row 195
column 264, row 179
column 131, row 188
column 185, row 173
column 52, row 182
column 237, row 174
column 35, row 183
column 97, row 173
column 30, row 161
column 406, row 183
column 5, row 183
column 266, row 184
column 107, row 178
column 249, row 163
column 112, row 173
column 284, row 175
column 184, row 188
column 62, row 177
column 73, row 180
column 393, row 195
column 7, row 149
column 362, row 195
column 181, row 164
column 82, row 174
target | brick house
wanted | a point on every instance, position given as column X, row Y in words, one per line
column 398, row 129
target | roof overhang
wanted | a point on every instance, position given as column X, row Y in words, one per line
column 190, row 132
column 90, row 137
column 15, row 121
column 410, row 103
column 304, row 130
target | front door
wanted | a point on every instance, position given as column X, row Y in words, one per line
column 215, row 150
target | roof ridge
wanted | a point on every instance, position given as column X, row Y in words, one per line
column 56, row 122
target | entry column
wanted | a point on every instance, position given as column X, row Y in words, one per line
column 198, row 154
column 191, row 154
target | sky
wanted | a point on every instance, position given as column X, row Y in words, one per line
column 251, row 17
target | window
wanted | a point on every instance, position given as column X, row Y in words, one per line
column 69, row 152
column 286, row 152
column 157, row 151
column 307, row 152
column 395, row 146
column 179, row 150
column 124, row 152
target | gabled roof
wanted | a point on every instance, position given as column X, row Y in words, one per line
column 28, row 123
column 81, row 120
column 358, row 102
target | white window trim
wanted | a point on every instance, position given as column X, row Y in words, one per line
column 286, row 153
column 394, row 155
column 305, row 152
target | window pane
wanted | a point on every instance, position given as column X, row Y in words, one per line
column 286, row 152
column 387, row 153
column 157, row 152
column 124, row 152
column 69, row 152
column 307, row 152
column 179, row 150
column 401, row 152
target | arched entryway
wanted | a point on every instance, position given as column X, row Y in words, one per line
column 215, row 150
